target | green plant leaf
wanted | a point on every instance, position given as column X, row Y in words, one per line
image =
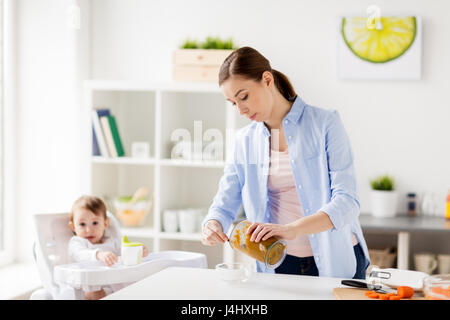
column 383, row 183
column 189, row 44
column 209, row 43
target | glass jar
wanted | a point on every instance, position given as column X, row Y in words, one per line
column 271, row 252
column 437, row 287
column 411, row 203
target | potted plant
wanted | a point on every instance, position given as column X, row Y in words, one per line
column 200, row 61
column 383, row 197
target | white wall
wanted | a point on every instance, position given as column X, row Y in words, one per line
column 396, row 127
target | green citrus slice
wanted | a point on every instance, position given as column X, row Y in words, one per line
column 379, row 41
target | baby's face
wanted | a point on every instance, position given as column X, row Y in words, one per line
column 88, row 225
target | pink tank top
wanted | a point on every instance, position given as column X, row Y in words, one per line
column 284, row 202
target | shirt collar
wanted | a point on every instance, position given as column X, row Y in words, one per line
column 292, row 116
column 296, row 110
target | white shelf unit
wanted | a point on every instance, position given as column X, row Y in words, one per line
column 151, row 112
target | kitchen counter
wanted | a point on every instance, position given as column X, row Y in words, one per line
column 405, row 223
column 177, row 283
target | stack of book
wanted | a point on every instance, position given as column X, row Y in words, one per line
column 106, row 140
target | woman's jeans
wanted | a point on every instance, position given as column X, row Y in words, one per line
column 307, row 266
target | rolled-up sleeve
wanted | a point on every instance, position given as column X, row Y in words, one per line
column 344, row 205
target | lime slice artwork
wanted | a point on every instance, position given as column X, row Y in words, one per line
column 379, row 40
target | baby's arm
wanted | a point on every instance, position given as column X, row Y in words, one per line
column 79, row 251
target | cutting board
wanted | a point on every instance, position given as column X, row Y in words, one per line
column 358, row 294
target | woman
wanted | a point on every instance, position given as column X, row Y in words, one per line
column 292, row 170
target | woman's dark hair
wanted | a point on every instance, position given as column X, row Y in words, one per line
column 250, row 64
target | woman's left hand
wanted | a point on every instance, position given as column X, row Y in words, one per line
column 263, row 231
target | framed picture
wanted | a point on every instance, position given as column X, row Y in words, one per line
column 386, row 48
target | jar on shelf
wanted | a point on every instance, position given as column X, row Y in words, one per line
column 412, row 204
column 271, row 251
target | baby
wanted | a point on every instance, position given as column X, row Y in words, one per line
column 88, row 221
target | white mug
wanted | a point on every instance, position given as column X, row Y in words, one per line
column 425, row 262
column 188, row 220
column 170, row 220
column 444, row 263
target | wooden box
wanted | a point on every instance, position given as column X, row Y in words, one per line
column 198, row 64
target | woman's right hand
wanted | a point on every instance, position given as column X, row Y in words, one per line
column 213, row 233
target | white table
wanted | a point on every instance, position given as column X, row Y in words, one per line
column 177, row 283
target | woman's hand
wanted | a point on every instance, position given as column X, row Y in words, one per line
column 263, row 231
column 107, row 257
column 213, row 233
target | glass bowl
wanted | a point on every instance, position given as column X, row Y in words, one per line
column 437, row 287
column 233, row 272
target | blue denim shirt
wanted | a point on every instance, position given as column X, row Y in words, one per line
column 322, row 164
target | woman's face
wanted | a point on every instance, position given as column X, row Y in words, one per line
column 253, row 99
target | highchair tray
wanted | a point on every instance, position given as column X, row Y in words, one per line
column 96, row 274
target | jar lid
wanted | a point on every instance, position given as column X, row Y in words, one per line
column 126, row 243
column 411, row 194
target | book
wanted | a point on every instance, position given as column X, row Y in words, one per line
column 108, row 136
column 95, row 148
column 99, row 131
column 116, row 136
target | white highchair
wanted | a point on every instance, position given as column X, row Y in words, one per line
column 64, row 280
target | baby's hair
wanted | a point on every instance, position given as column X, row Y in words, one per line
column 91, row 203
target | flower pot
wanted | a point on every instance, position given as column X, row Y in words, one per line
column 383, row 203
